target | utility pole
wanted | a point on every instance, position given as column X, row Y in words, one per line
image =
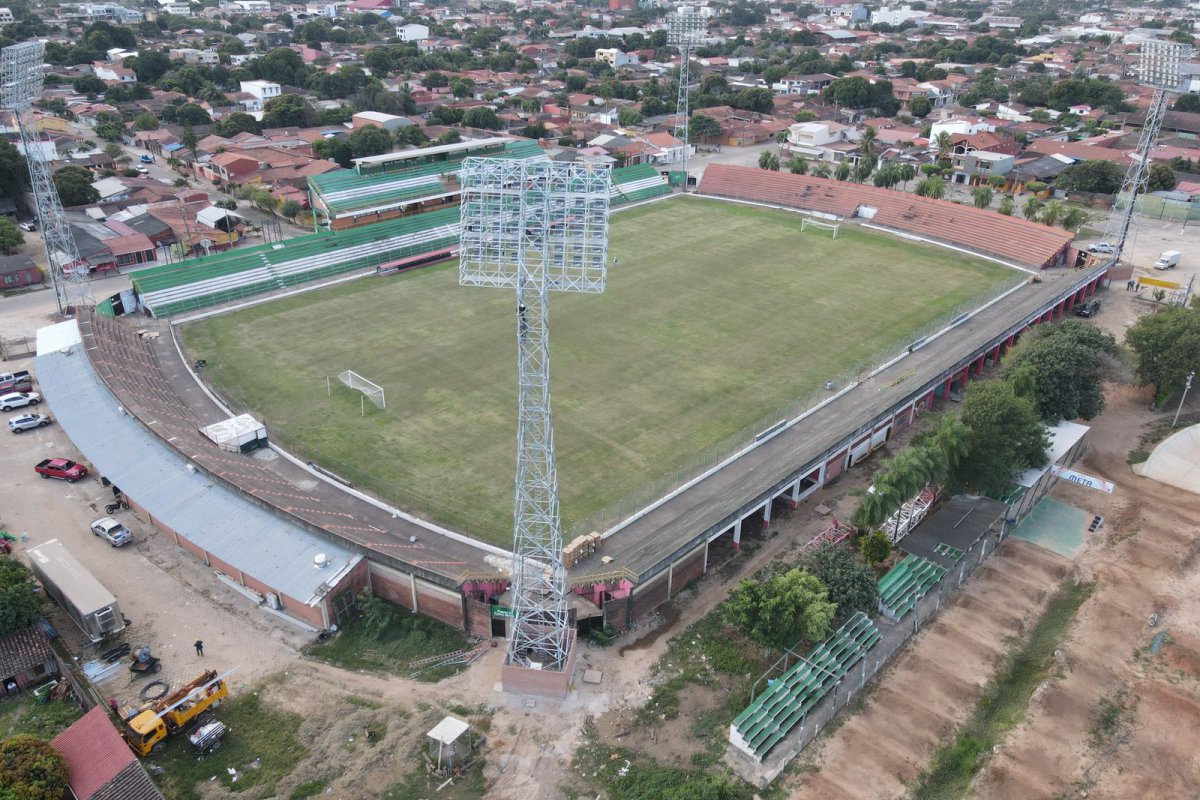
column 1186, row 387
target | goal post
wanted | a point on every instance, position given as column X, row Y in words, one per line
column 370, row 391
column 809, row 222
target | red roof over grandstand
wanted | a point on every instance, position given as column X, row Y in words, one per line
column 1008, row 238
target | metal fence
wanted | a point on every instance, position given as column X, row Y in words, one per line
column 895, row 636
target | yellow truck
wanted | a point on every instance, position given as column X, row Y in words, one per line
column 147, row 730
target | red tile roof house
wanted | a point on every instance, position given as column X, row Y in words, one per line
column 26, row 659
column 100, row 766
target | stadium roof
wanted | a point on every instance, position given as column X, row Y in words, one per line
column 346, row 193
column 221, row 521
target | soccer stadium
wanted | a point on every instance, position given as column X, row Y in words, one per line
column 740, row 359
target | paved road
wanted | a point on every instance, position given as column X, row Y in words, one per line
column 647, row 545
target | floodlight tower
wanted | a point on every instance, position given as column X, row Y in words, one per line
column 1160, row 68
column 21, row 76
column 685, row 30
column 535, row 227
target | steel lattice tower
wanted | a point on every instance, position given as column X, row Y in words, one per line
column 21, row 76
column 536, row 228
column 1160, row 68
column 685, row 30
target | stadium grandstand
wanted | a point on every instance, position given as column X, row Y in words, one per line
column 1009, row 239
column 408, row 182
column 236, row 274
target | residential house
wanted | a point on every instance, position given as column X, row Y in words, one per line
column 389, row 122
column 615, row 58
column 15, row 272
column 100, row 765
column 820, row 140
column 112, row 73
column 26, row 659
column 412, row 32
column 803, row 84
column 264, row 91
column 271, row 39
column 6, row 16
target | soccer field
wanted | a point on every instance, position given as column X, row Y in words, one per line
column 716, row 316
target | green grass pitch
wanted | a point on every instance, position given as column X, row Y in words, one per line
column 715, row 316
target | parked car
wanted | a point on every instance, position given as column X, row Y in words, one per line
column 145, row 159
column 25, row 422
column 1102, row 247
column 61, row 468
column 143, row 171
column 112, row 531
column 19, row 400
column 27, row 225
column 16, row 385
column 1089, row 308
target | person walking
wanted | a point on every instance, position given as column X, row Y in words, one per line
column 200, row 648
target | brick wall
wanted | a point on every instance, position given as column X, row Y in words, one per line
column 479, row 618
column 649, row 596
column 616, row 612
column 687, row 569
column 441, row 604
column 392, row 585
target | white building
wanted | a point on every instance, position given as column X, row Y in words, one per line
column 412, row 32
column 615, row 58
column 958, row 126
column 263, row 90
column 896, row 16
column 260, row 7
column 112, row 72
column 6, row 16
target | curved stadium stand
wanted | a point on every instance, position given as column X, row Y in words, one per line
column 1018, row 241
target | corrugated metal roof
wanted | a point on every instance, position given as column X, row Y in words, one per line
column 219, row 520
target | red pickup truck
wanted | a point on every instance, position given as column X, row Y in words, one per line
column 61, row 468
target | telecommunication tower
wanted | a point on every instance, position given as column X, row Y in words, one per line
column 536, row 228
column 685, row 30
column 21, row 76
column 1160, row 68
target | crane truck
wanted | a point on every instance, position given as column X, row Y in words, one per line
column 147, row 730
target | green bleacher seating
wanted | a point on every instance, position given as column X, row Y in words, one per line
column 774, row 713
column 636, row 183
column 906, row 583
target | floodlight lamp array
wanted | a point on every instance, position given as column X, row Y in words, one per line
column 1160, row 64
column 21, row 76
column 534, row 220
column 685, row 27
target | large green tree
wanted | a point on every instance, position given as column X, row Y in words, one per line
column 288, row 111
column 370, row 140
column 702, row 127
column 31, row 769
column 1100, row 177
column 1007, row 436
column 235, row 123
column 10, row 236
column 849, row 582
column 1065, row 366
column 1166, row 347
column 481, row 117
column 783, row 609
column 14, row 173
column 1160, row 179
column 74, row 186
column 19, row 604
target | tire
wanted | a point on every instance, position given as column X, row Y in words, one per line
column 18, row 430
column 34, row 402
column 44, row 475
column 158, row 746
column 43, row 423
column 157, row 667
column 6, row 408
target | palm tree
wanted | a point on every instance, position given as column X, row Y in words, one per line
column 797, row 165
column 863, row 170
column 820, row 170
column 1032, row 207
column 1074, row 219
column 867, row 145
column 843, row 171
column 906, row 172
column 1007, row 205
column 873, row 509
column 887, row 176
column 944, row 145
column 932, row 187
column 768, row 161
column 1052, row 212
column 982, row 196
column 950, row 442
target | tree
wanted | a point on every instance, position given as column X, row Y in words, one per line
column 888, row 176
column 192, row 114
column 944, row 145
column 482, row 117
column 288, row 111
column 370, row 140
column 850, row 584
column 797, row 165
column 701, row 127
column 782, row 610
column 1074, row 218
column 89, row 85
column 628, row 116
column 1032, row 208
column 713, row 83
column 146, row 122
column 997, row 181
column 1166, row 347
column 282, row 65
column 1188, row 103
column 906, row 172
column 1007, row 436
column 1065, row 365
column 14, row 173
column 932, row 187
column 32, row 769
column 1007, row 205
column 920, row 107
column 1096, row 176
column 1161, row 179
column 843, row 171
column 290, row 209
column 982, row 196
column 189, row 139
column 875, row 547
column 74, row 185
column 866, row 145
column 863, row 171
column 20, row 606
column 1052, row 212
column 150, row 65
column 768, row 161
column 238, row 122
column 11, row 237
column 820, row 170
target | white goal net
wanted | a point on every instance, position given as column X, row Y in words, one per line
column 807, row 223
column 371, row 391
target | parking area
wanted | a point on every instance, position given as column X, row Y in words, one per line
column 169, row 598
